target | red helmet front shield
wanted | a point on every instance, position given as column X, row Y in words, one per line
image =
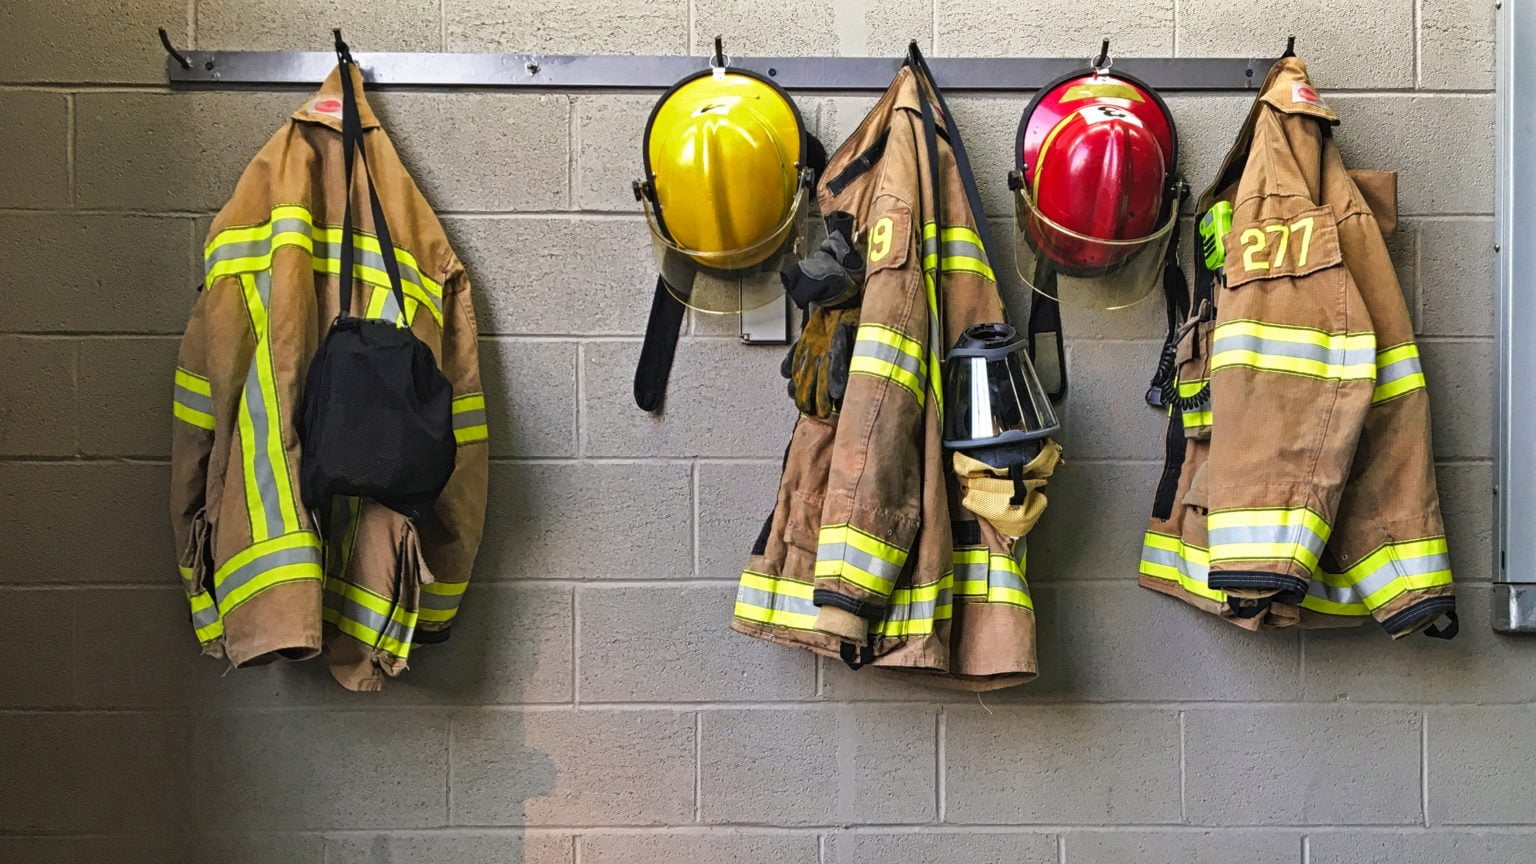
column 1097, row 162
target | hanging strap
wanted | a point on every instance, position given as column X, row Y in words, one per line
column 658, row 349
column 352, row 143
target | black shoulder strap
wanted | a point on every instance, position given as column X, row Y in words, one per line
column 660, row 346
column 352, row 142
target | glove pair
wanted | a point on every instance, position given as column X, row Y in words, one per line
column 827, row 289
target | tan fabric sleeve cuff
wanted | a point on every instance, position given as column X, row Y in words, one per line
column 843, row 624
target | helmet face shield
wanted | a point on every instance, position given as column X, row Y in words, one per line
column 728, row 281
column 1084, row 271
column 993, row 396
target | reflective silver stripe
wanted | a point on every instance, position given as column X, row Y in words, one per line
column 1303, row 350
column 922, row 610
column 954, row 249
column 1380, row 578
column 467, row 419
column 391, row 310
column 350, row 609
column 261, row 423
column 862, row 560
column 1169, row 558
column 1287, row 535
column 203, row 617
column 322, row 249
column 271, row 561
column 1399, row 369
column 970, row 573
column 771, row 600
column 194, row 400
column 1000, row 578
column 440, row 601
column 890, row 354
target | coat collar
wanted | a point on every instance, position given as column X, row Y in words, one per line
column 325, row 106
column 1290, row 91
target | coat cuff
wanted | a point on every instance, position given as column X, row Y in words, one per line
column 843, row 624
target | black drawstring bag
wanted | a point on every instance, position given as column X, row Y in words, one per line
column 377, row 415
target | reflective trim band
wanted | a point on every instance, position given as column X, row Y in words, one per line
column 883, row 352
column 1200, row 415
column 1398, row 371
column 206, row 622
column 1381, row 577
column 1169, row 558
column 766, row 599
column 1295, row 351
column 845, row 552
column 269, row 495
column 383, row 306
column 961, row 249
column 290, row 558
column 1282, row 534
column 369, row 618
column 192, row 399
column 915, row 611
column 469, row 423
column 970, row 563
column 250, row 250
column 1005, row 579
column 440, row 601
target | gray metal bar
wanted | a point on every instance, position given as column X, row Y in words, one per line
column 1514, row 591
column 566, row 71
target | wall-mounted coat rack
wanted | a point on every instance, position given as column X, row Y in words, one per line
column 769, row 324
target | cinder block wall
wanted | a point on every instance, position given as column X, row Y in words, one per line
column 592, row 706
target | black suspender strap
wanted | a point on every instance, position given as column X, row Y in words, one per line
column 660, row 345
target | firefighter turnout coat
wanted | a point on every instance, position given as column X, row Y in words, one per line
column 867, row 553
column 264, row 580
column 1302, row 491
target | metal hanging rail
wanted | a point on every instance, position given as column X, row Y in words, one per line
column 621, row 72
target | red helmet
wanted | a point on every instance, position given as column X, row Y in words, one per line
column 1096, row 185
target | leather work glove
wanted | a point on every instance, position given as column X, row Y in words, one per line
column 817, row 364
column 831, row 276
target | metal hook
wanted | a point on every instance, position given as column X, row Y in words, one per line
column 1290, row 47
column 1102, row 62
column 165, row 41
column 719, row 61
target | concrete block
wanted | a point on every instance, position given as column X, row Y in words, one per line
column 1461, row 387
column 838, row 116
column 539, row 276
column 85, row 522
column 530, row 397
column 724, row 399
column 1208, row 124
column 850, row 848
column 1302, row 765
column 75, row 42
column 1466, row 502
column 125, row 396
column 36, row 141
column 702, row 660
column 877, row 29
column 973, row 28
column 1124, row 642
column 609, row 133
column 819, row 766
column 1456, row 45
column 1346, row 847
column 1105, row 415
column 713, row 847
column 39, row 408
column 1478, row 665
column 169, row 151
column 988, row 125
column 437, row 847
column 1438, row 171
column 202, row 849
column 1333, row 38
column 162, row 670
column 733, row 500
column 1479, row 769
column 1061, row 765
column 38, row 850
column 94, row 773
column 588, row 521
column 48, row 285
column 39, row 672
column 1094, row 520
column 572, row 768
column 1456, row 261
column 1183, row 847
column 483, row 151
column 315, row 770
column 563, row 27
column 283, row 25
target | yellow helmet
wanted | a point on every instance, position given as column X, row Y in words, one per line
column 725, row 187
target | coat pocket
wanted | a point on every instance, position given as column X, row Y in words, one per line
column 803, row 525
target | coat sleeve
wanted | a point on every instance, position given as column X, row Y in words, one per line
column 871, row 511
column 450, row 542
column 194, row 419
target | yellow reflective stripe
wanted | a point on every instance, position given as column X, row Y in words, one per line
column 254, row 506
column 471, row 434
column 935, row 328
column 766, row 599
column 1398, row 387
column 1299, row 335
column 203, row 608
column 1381, row 577
column 845, row 552
column 193, row 416
column 1398, row 371
column 365, row 634
column 440, row 601
column 877, row 368
column 1169, row 558
column 290, row 558
column 1268, row 534
column 1294, row 350
column 1201, row 414
column 194, row 382
column 469, row 422
column 1249, row 516
column 469, row 402
column 915, row 611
